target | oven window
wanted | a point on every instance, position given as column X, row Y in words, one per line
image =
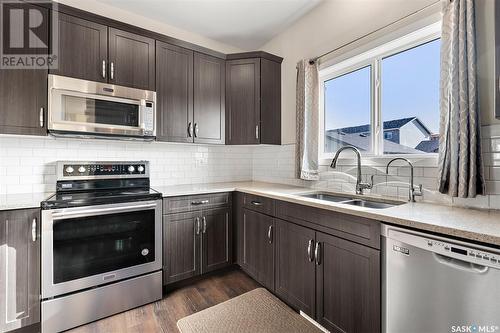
column 95, row 111
column 98, row 244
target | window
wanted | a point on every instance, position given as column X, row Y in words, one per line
column 347, row 105
column 386, row 100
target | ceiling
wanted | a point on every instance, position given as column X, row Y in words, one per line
column 246, row 24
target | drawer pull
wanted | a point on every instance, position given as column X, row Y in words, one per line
column 256, row 203
column 201, row 202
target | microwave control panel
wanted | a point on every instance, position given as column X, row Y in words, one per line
column 149, row 116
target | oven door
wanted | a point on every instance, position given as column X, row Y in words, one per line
column 89, row 246
column 79, row 106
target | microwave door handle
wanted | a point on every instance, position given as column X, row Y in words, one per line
column 101, row 211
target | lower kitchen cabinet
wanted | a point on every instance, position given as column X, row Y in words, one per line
column 295, row 268
column 334, row 280
column 195, row 243
column 217, row 244
column 347, row 285
column 181, row 247
column 257, row 258
column 19, row 268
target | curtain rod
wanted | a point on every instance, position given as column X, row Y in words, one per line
column 313, row 60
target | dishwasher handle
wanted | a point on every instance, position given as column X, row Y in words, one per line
column 460, row 264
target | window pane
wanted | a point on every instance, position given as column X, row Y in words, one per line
column 347, row 111
column 410, row 100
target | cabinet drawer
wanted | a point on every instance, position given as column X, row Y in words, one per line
column 259, row 204
column 195, row 202
column 357, row 229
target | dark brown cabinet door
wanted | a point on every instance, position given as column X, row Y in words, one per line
column 209, row 99
column 270, row 112
column 174, row 93
column 347, row 286
column 216, row 241
column 131, row 60
column 295, row 268
column 19, row 268
column 258, row 247
column 181, row 246
column 83, row 49
column 23, row 94
column 243, row 101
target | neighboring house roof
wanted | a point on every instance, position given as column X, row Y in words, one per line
column 390, row 124
column 362, row 142
column 429, row 146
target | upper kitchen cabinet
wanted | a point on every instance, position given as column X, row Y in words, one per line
column 83, row 49
column 209, row 99
column 174, row 93
column 131, row 60
column 23, row 93
column 92, row 51
column 253, row 90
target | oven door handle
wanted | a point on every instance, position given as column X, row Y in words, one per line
column 100, row 211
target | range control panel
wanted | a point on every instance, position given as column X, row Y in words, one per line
column 470, row 254
column 89, row 170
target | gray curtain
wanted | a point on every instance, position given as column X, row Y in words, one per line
column 307, row 120
column 460, row 161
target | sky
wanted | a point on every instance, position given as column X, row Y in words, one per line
column 410, row 87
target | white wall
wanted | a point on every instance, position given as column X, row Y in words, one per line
column 146, row 23
column 337, row 22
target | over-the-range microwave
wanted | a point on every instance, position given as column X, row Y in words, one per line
column 80, row 108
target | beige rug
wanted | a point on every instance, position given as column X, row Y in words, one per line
column 255, row 311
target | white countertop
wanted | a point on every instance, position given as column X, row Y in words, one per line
column 22, row 200
column 477, row 225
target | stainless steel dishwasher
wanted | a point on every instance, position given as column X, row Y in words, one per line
column 435, row 284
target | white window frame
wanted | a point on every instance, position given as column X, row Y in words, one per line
column 374, row 59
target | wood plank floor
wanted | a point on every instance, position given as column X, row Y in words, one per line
column 162, row 316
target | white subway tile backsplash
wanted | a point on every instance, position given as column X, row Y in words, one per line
column 28, row 164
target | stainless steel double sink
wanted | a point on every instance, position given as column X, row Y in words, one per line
column 347, row 200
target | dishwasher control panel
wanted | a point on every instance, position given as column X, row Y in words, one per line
column 470, row 254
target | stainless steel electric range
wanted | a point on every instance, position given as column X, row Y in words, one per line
column 101, row 243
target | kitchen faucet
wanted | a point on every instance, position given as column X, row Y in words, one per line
column 360, row 186
column 411, row 193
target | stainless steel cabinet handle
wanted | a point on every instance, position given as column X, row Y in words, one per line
column 309, row 250
column 204, row 224
column 197, row 203
column 104, row 69
column 112, row 71
column 270, row 234
column 33, row 230
column 317, row 253
column 256, row 203
column 197, row 225
column 42, row 118
column 196, row 130
column 190, row 130
column 257, row 132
